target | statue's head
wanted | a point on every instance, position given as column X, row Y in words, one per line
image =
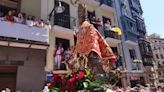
column 85, row 24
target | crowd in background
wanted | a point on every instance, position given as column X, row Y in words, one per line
column 22, row 18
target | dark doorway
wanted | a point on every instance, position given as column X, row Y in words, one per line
column 105, row 20
column 8, row 77
column 114, row 49
column 65, row 42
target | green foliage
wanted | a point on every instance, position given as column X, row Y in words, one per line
column 55, row 90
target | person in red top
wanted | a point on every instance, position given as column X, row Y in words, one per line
column 9, row 17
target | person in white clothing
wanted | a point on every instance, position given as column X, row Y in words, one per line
column 58, row 56
column 19, row 18
column 29, row 21
column 40, row 23
column 47, row 25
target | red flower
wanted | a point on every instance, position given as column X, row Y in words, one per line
column 81, row 75
column 70, row 84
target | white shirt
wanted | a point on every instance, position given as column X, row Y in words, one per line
column 47, row 27
column 41, row 25
column 18, row 20
column 30, row 22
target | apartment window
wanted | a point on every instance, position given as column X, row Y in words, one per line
column 105, row 20
column 159, row 48
column 132, row 54
column 157, row 56
column 159, row 73
column 156, row 48
column 162, row 56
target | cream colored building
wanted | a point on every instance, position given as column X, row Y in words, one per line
column 39, row 58
column 23, row 49
column 157, row 45
column 58, row 31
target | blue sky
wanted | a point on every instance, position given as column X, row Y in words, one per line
column 154, row 16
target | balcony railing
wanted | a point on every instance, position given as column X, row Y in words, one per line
column 65, row 21
column 106, row 2
column 111, row 34
column 23, row 32
column 147, row 63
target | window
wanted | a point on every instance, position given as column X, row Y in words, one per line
column 105, row 20
column 159, row 73
column 159, row 48
column 157, row 56
column 162, row 56
column 156, row 48
column 63, row 19
column 132, row 54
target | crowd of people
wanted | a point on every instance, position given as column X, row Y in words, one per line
column 29, row 20
column 60, row 55
column 138, row 88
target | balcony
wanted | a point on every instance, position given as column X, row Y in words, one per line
column 65, row 21
column 106, row 2
column 134, row 4
column 147, row 63
column 19, row 35
column 64, row 24
column 145, row 48
column 112, row 37
column 129, row 25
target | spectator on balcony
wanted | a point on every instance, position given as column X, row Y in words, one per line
column 1, row 16
column 19, row 18
column 107, row 26
column 40, row 23
column 100, row 26
column 34, row 19
column 67, row 54
column 30, row 21
column 9, row 17
column 47, row 25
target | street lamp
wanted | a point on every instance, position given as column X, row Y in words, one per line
column 57, row 9
column 60, row 8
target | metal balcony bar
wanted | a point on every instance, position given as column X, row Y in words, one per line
column 65, row 21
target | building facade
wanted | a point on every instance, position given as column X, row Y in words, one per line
column 27, row 53
column 158, row 51
column 134, row 68
column 144, row 45
column 64, row 31
column 23, row 49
